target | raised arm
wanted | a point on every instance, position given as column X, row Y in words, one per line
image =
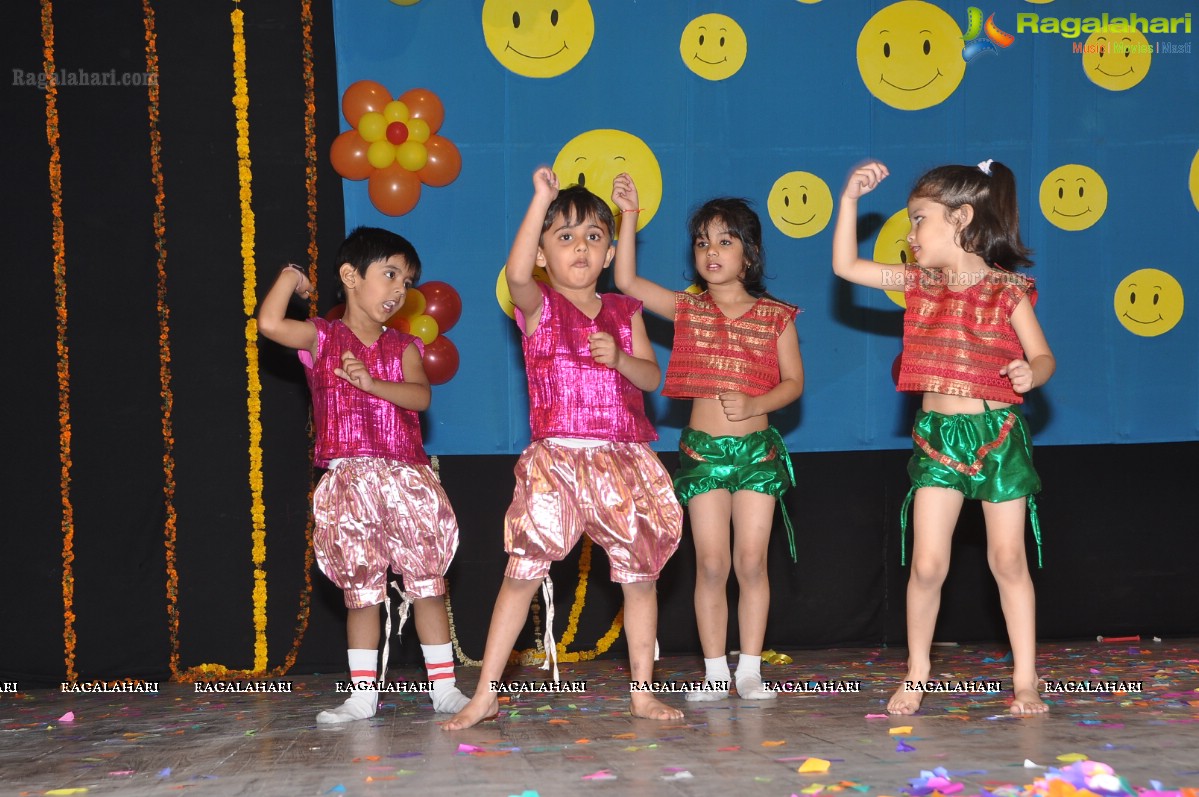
column 659, row 300
column 273, row 322
column 846, row 263
column 523, row 255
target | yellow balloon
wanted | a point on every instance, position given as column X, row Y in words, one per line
column 372, row 126
column 424, row 327
column 395, row 111
column 412, row 155
column 414, row 303
column 418, row 131
column 382, row 153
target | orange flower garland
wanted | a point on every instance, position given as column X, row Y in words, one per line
column 64, row 362
column 164, row 339
column 241, row 104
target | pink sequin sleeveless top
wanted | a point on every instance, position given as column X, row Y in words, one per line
column 714, row 354
column 955, row 342
column 570, row 394
column 350, row 422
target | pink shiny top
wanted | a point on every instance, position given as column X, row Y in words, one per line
column 955, row 342
column 570, row 394
column 350, row 422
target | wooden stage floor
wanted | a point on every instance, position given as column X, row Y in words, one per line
column 181, row 741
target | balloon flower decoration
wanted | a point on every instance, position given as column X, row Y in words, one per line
column 394, row 144
column 428, row 312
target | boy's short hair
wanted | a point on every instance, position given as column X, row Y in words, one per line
column 366, row 245
column 575, row 204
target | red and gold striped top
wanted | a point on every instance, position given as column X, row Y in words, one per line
column 955, row 341
column 714, row 354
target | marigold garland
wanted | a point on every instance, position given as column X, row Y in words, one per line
column 64, row 362
column 241, row 105
column 164, row 339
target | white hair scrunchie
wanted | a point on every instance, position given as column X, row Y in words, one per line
column 985, row 166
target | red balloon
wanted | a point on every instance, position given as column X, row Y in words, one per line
column 336, row 312
column 896, row 364
column 348, row 156
column 363, row 97
column 397, row 133
column 443, row 303
column 444, row 164
column 398, row 321
column 441, row 360
column 394, row 190
column 424, row 104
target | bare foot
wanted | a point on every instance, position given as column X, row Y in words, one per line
column 651, row 708
column 481, row 707
column 905, row 700
column 1026, row 700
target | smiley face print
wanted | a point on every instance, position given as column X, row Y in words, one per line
column 1073, row 197
column 910, row 55
column 538, row 38
column 713, row 46
column 1149, row 302
column 800, row 204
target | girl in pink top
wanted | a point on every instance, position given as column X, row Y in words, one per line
column 379, row 504
column 588, row 468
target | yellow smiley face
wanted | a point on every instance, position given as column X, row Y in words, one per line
column 713, row 46
column 593, row 159
column 891, row 246
column 504, row 298
column 1073, row 197
column 1193, row 181
column 910, row 55
column 1148, row 302
column 538, row 38
column 1117, row 61
column 800, row 204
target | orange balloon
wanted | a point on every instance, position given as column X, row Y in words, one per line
column 362, row 97
column 444, row 164
column 398, row 322
column 394, row 190
column 348, row 156
column 424, row 104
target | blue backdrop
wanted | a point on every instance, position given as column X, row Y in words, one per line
column 800, row 102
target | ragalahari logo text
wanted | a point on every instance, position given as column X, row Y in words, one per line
column 982, row 37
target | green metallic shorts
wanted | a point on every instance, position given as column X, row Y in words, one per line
column 758, row 461
column 985, row 456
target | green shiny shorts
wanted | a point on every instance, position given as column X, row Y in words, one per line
column 759, row 461
column 985, row 456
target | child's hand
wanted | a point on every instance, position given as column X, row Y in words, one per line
column 624, row 193
column 1020, row 372
column 604, row 349
column 864, row 179
column 545, row 184
column 736, row 405
column 303, row 287
column 354, row 371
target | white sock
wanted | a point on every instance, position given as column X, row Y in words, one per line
column 716, row 678
column 749, row 679
column 362, row 702
column 439, row 664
